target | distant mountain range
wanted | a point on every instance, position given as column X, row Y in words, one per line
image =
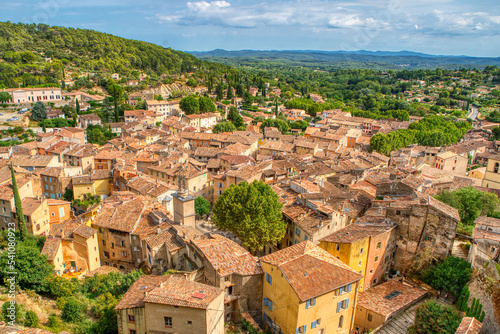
column 400, row 59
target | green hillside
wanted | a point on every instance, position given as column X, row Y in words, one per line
column 23, row 48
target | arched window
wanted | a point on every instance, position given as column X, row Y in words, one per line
column 341, row 321
column 497, row 166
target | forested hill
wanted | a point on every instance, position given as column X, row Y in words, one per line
column 331, row 60
column 23, row 47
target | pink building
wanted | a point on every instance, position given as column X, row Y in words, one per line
column 29, row 95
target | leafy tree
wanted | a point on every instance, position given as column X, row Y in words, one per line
column 39, row 111
column 252, row 212
column 5, row 96
column 201, row 206
column 31, row 319
column 450, row 275
column 190, row 105
column 470, row 202
column 496, row 132
column 235, row 117
column 116, row 91
column 191, row 82
column 432, row 317
column 31, row 266
column 21, row 224
column 96, row 134
column 206, row 105
column 114, row 283
column 224, row 127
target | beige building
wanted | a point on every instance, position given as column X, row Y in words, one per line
column 170, row 304
column 383, row 302
column 165, row 108
column 451, row 162
column 32, row 95
column 492, row 175
column 36, row 215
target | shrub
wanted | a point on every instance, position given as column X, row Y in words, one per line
column 53, row 322
column 11, row 312
column 73, row 310
column 31, row 319
column 432, row 317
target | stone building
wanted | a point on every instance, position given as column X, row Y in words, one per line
column 485, row 246
column 424, row 225
column 230, row 267
column 170, row 304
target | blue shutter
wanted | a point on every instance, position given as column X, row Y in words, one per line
column 265, row 316
column 296, row 331
column 305, row 328
column 347, row 303
column 266, row 300
column 270, row 280
column 270, row 306
column 349, row 287
column 313, row 302
column 313, row 325
column 338, row 306
column 308, row 303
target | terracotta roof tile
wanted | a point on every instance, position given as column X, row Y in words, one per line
column 310, row 270
column 375, row 299
column 227, row 257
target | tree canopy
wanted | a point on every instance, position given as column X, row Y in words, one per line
column 470, row 202
column 39, row 111
column 206, row 104
column 201, row 206
column 190, row 105
column 452, row 275
column 252, row 212
column 224, row 127
column 432, row 317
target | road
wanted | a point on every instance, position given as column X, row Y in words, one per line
column 474, row 113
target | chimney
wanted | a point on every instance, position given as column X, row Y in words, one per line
column 392, row 177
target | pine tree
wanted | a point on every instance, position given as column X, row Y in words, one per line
column 21, row 224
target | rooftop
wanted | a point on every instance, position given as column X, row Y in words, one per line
column 310, row 270
column 389, row 297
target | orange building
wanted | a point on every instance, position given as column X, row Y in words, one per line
column 59, row 211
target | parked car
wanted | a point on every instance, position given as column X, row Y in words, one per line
column 10, row 120
column 1, row 113
column 15, row 118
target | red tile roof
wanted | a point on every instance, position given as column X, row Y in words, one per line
column 310, row 270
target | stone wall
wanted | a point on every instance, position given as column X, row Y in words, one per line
column 489, row 294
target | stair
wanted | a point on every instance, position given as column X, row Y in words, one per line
column 458, row 251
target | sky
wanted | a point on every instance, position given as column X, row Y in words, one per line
column 441, row 27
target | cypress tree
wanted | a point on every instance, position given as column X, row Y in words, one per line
column 21, row 224
column 77, row 106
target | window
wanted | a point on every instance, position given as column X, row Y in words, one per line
column 341, row 321
column 131, row 318
column 168, row 321
column 315, row 323
column 370, row 317
column 61, row 212
column 374, row 281
column 310, row 302
column 371, row 271
column 124, row 254
column 104, row 242
column 342, row 305
column 379, row 245
column 376, row 258
column 338, row 247
column 497, row 166
column 305, row 237
column 190, row 323
column 268, row 303
column 360, row 263
column 297, row 231
column 301, row 329
column 269, row 279
column 122, row 243
column 132, row 331
column 361, row 250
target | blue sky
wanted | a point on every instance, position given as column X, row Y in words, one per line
column 448, row 27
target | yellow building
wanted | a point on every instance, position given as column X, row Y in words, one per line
column 72, row 248
column 98, row 182
column 492, row 175
column 306, row 288
column 365, row 248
